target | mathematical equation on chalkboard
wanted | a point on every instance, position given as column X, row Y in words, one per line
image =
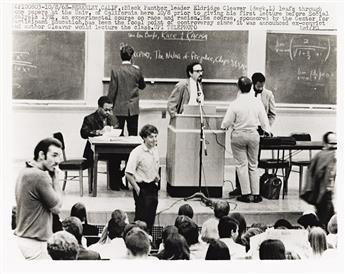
column 309, row 55
column 302, row 68
column 22, row 63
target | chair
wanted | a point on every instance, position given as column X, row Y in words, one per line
column 72, row 165
column 275, row 165
column 300, row 163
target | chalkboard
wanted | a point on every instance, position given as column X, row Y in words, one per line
column 302, row 68
column 48, row 65
column 165, row 54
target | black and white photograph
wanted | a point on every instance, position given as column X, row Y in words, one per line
column 134, row 133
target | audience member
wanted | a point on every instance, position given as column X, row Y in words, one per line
column 74, row 226
column 167, row 231
column 262, row 226
column 138, row 244
column 38, row 195
column 115, row 248
column 78, row 210
column 320, row 180
column 332, row 237
column 252, row 231
column 282, row 224
column 62, row 245
column 228, row 232
column 242, row 225
column 308, row 220
column 317, row 240
column 175, row 248
column 186, row 210
column 190, row 231
column 217, row 250
column 272, row 250
column 209, row 229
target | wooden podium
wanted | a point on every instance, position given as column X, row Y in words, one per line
column 182, row 162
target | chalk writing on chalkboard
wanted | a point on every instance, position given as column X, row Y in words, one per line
column 165, row 54
column 301, row 68
column 48, row 65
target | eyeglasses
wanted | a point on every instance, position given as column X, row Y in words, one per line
column 198, row 71
column 108, row 109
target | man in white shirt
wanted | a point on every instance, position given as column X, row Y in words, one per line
column 244, row 115
column 187, row 91
column 142, row 173
column 228, row 232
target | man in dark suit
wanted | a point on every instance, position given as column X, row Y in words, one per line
column 124, row 87
column 94, row 125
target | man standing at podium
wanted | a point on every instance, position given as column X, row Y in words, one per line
column 187, row 91
column 244, row 115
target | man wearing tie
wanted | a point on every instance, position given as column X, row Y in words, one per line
column 187, row 91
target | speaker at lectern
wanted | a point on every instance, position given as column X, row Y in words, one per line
column 183, row 144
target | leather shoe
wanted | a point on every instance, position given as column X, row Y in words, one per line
column 257, row 199
column 235, row 192
column 244, row 198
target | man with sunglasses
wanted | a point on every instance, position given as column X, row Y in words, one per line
column 95, row 125
column 187, row 91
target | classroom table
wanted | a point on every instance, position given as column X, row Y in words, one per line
column 110, row 145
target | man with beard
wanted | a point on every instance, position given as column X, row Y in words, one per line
column 187, row 91
column 38, row 196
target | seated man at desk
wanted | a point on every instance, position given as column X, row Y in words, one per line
column 95, row 125
column 187, row 91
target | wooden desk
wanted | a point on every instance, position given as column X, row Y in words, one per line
column 115, row 145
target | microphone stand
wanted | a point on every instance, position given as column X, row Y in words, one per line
column 199, row 195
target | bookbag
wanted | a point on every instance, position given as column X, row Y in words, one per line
column 270, row 186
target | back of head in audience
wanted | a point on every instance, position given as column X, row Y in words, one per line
column 332, row 225
column 141, row 224
column 308, row 220
column 272, row 250
column 248, row 234
column 242, row 224
column 221, row 208
column 137, row 243
column 188, row 229
column 167, row 231
column 317, row 240
column 217, row 250
column 228, row 228
column 62, row 245
column 262, row 226
column 74, row 226
column 186, row 210
column 282, row 224
column 116, row 227
column 78, row 210
column 175, row 248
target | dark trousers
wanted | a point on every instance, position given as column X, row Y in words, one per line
column 146, row 204
column 113, row 166
column 325, row 209
column 132, row 124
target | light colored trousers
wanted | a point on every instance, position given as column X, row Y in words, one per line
column 245, row 149
column 33, row 249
